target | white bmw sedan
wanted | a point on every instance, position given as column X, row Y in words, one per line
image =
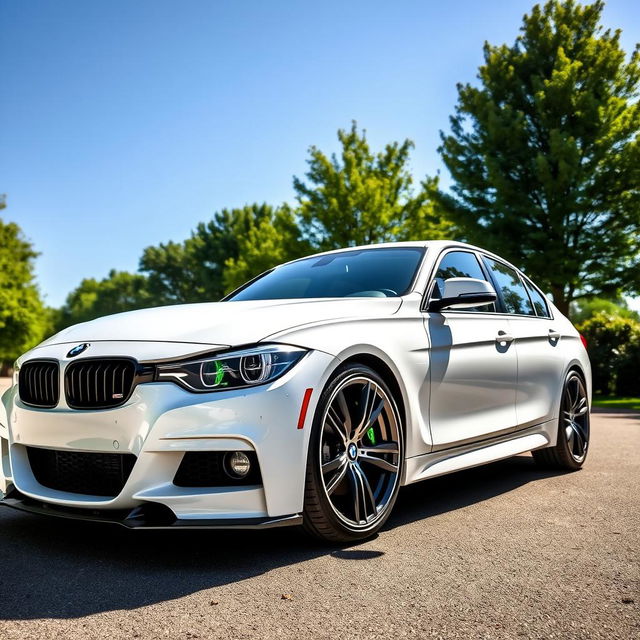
column 308, row 396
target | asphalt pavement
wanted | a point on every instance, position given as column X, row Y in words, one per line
column 502, row 551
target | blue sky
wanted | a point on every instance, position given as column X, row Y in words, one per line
column 123, row 124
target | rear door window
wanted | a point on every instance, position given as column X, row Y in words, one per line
column 510, row 288
column 539, row 303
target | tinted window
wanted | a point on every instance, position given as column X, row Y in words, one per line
column 509, row 285
column 539, row 303
column 370, row 272
column 459, row 264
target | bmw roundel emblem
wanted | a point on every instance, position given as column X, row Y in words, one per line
column 78, row 349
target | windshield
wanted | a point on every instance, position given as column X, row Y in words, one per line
column 378, row 273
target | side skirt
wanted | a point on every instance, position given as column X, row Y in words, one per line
column 440, row 463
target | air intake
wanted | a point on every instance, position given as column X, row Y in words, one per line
column 95, row 474
column 209, row 469
column 99, row 383
column 39, row 383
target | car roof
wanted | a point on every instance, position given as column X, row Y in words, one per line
column 435, row 245
column 422, row 244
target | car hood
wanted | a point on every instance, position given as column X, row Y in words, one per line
column 222, row 323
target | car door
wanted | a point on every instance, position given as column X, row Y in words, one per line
column 537, row 339
column 473, row 369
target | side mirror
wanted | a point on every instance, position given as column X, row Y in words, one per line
column 464, row 293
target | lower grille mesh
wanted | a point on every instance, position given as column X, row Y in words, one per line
column 96, row 474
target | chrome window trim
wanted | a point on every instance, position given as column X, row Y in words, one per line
column 479, row 256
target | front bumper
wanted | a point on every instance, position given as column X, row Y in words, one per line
column 159, row 424
column 148, row 516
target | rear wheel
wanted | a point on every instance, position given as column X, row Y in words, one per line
column 571, row 448
column 355, row 458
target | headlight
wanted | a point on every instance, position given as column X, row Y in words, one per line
column 233, row 369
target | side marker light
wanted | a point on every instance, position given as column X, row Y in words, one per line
column 304, row 407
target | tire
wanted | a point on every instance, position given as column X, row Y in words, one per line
column 572, row 444
column 356, row 457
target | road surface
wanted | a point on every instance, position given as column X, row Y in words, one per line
column 503, row 551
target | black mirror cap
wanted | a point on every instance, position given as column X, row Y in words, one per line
column 470, row 300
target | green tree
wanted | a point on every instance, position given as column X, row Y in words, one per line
column 585, row 308
column 23, row 318
column 364, row 197
column 246, row 240
column 172, row 274
column 545, row 154
column 272, row 240
column 119, row 291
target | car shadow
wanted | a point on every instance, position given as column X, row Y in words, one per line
column 58, row 568
column 447, row 493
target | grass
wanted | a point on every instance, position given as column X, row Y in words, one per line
column 611, row 402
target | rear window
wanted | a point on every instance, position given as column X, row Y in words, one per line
column 379, row 273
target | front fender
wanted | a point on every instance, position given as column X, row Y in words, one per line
column 401, row 343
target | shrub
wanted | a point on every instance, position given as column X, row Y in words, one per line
column 628, row 376
column 613, row 343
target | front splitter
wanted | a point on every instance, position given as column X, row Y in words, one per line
column 148, row 516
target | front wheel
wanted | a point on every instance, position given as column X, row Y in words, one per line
column 571, row 448
column 356, row 453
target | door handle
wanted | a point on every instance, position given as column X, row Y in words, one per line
column 554, row 335
column 503, row 337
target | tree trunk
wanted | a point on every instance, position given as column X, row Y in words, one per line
column 560, row 300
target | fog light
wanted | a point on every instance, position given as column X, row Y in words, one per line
column 237, row 464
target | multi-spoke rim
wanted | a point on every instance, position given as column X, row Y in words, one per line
column 575, row 417
column 360, row 449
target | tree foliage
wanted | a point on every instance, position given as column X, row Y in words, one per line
column 269, row 241
column 23, row 318
column 244, row 241
column 172, row 274
column 585, row 308
column 364, row 197
column 545, row 154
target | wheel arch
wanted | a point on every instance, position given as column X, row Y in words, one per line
column 319, row 516
column 577, row 366
column 579, row 369
column 390, row 377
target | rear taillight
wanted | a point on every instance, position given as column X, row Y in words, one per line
column 583, row 340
